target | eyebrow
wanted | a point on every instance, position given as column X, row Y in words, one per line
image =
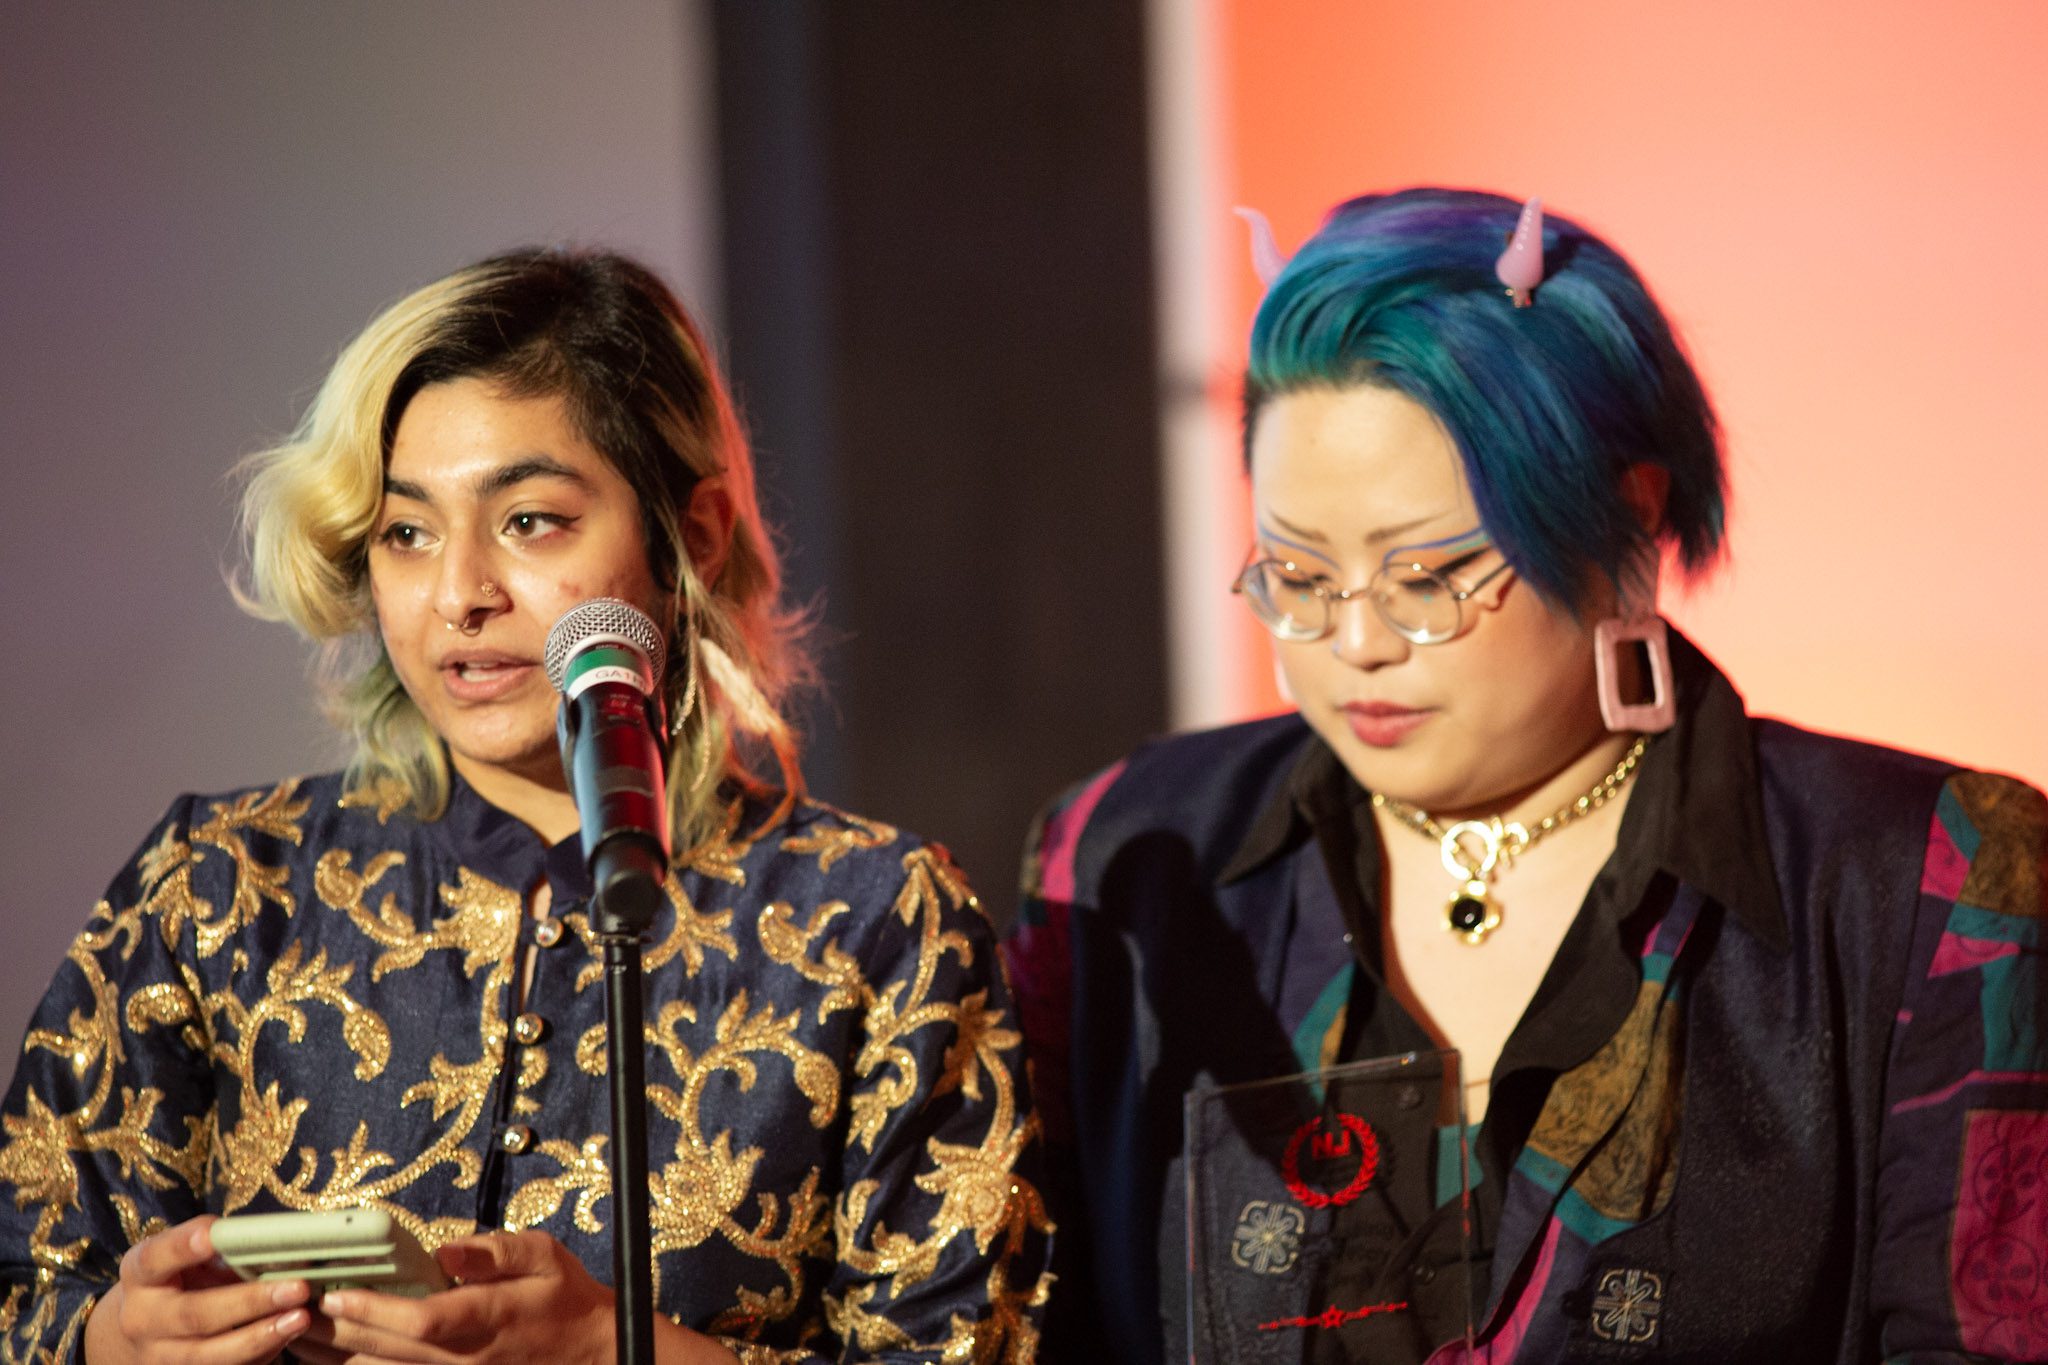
column 1302, row 531
column 1379, row 537
column 1276, row 538
column 495, row 481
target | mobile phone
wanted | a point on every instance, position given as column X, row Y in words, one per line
column 331, row 1249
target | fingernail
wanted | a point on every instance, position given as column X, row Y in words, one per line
column 290, row 1291
column 333, row 1305
column 198, row 1239
column 293, row 1322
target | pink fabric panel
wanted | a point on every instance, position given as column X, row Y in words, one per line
column 1946, row 866
column 1038, row 956
column 1978, row 1077
column 1958, row 954
column 1063, row 831
column 1501, row 1347
column 1997, row 1264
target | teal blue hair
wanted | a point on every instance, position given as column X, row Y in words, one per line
column 1548, row 405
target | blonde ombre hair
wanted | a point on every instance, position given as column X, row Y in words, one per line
column 605, row 335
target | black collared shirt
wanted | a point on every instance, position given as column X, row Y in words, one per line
column 1694, row 817
column 1839, row 1034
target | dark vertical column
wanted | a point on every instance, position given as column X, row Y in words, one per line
column 774, row 223
column 981, row 347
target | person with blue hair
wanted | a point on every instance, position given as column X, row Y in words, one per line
column 1746, row 1019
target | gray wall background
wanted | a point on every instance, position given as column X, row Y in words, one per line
column 199, row 204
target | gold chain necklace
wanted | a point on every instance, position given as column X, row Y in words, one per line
column 1472, row 913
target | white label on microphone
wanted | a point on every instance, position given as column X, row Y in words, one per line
column 606, row 673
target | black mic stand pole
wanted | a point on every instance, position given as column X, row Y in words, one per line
column 609, row 727
column 627, row 875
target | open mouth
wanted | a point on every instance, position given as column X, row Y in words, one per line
column 484, row 677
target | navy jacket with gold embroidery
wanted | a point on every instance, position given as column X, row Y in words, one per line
column 293, row 1000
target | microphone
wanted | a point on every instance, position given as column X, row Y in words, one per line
column 607, row 658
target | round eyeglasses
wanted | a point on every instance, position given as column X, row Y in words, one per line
column 1419, row 603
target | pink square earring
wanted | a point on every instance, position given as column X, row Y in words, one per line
column 1610, row 637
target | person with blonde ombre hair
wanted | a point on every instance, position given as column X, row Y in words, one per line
column 380, row 988
column 640, row 382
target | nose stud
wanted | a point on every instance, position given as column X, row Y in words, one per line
column 469, row 625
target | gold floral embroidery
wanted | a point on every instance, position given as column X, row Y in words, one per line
column 930, row 883
column 980, row 1195
column 711, row 1184
column 805, row 1220
column 39, row 1325
column 585, row 1175
column 484, row 926
column 697, row 1191
column 791, row 946
column 134, row 1226
column 903, row 1259
column 89, row 1042
column 274, row 813
column 383, row 796
column 763, row 1355
column 165, row 1005
column 851, row 1321
column 689, row 937
column 719, row 855
column 38, row 1155
column 832, row 840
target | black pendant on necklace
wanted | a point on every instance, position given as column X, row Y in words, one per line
column 1472, row 914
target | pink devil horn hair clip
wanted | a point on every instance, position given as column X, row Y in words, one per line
column 1520, row 267
column 1267, row 261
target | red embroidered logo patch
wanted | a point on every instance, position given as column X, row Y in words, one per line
column 1333, row 1316
column 1353, row 1135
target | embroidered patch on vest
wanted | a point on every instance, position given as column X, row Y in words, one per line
column 1627, row 1306
column 1333, row 1316
column 1267, row 1240
column 1353, row 1139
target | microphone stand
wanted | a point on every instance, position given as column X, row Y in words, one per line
column 606, row 657
column 627, row 875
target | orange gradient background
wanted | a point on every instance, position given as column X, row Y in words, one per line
column 1844, row 208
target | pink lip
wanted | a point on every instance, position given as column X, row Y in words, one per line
column 483, row 675
column 1382, row 724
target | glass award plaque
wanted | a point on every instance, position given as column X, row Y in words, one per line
column 1329, row 1215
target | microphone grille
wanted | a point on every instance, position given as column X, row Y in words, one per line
column 606, row 620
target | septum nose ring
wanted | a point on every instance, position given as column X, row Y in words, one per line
column 488, row 589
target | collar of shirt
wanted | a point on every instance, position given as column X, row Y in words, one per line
column 1696, row 813
column 506, row 850
column 1695, row 818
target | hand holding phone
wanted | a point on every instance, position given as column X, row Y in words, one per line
column 176, row 1300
